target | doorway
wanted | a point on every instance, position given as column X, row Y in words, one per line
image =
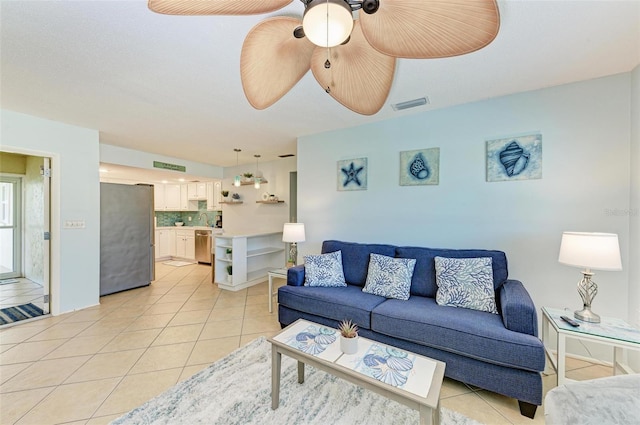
column 24, row 237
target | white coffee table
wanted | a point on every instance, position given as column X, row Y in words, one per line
column 613, row 332
column 416, row 384
column 278, row 273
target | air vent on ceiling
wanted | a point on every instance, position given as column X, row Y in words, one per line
column 410, row 103
column 286, row 155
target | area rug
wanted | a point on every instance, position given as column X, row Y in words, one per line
column 237, row 390
column 19, row 312
column 178, row 263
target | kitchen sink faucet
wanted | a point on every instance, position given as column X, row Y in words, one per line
column 206, row 222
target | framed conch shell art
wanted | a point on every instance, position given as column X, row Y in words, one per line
column 420, row 167
column 514, row 158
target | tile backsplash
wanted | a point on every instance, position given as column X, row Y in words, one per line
column 169, row 218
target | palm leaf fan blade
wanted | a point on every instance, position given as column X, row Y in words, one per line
column 216, row 7
column 424, row 29
column 272, row 60
column 359, row 78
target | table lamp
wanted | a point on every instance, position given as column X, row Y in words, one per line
column 293, row 233
column 599, row 251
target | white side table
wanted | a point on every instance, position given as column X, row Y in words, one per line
column 613, row 332
column 278, row 273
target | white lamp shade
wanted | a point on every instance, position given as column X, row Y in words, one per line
column 599, row 251
column 293, row 232
column 339, row 25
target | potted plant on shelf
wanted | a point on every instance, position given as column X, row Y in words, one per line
column 235, row 197
column 348, row 337
column 247, row 176
column 229, row 273
column 229, row 251
column 225, row 195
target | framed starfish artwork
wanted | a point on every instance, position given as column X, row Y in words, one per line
column 420, row 167
column 352, row 174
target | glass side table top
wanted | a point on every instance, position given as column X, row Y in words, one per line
column 279, row 272
column 609, row 327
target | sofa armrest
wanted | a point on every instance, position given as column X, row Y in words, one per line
column 517, row 308
column 295, row 275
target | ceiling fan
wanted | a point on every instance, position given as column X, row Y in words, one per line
column 353, row 60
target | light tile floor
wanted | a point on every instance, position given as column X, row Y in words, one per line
column 91, row 366
column 22, row 292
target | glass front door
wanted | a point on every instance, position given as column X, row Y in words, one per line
column 10, row 232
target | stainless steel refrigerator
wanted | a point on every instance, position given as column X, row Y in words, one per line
column 126, row 237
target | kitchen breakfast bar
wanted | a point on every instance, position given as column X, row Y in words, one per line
column 243, row 260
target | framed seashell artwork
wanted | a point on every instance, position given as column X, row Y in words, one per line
column 352, row 174
column 420, row 167
column 514, row 158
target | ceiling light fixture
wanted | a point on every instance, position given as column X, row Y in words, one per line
column 236, row 179
column 256, row 179
column 327, row 23
column 410, row 104
column 359, row 69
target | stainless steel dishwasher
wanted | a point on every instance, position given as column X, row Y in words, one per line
column 203, row 246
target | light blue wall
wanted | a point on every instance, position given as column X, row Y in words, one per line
column 75, row 195
column 586, row 175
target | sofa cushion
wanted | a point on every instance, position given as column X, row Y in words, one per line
column 355, row 258
column 334, row 303
column 471, row 333
column 466, row 283
column 324, row 270
column 389, row 277
column 423, row 282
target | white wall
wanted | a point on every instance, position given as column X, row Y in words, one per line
column 75, row 254
column 634, row 211
column 250, row 217
column 132, row 158
column 586, row 174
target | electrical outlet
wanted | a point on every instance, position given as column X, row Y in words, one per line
column 74, row 224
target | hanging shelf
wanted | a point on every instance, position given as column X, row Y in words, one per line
column 252, row 182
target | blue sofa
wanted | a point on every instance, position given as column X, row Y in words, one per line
column 498, row 352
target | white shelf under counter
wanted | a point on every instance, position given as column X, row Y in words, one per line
column 253, row 255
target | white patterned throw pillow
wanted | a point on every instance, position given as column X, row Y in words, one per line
column 389, row 277
column 466, row 282
column 324, row 270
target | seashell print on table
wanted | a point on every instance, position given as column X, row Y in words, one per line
column 389, row 365
column 420, row 167
column 514, row 158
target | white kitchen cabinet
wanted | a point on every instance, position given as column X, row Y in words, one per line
column 158, row 197
column 163, row 243
column 214, row 196
column 184, row 198
column 197, row 191
column 172, row 242
column 185, row 244
column 251, row 259
column 172, row 197
column 166, row 197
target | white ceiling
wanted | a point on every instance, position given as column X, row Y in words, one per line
column 170, row 84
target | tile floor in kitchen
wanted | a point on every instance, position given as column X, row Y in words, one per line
column 93, row 365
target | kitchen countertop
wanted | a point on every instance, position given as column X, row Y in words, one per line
column 215, row 230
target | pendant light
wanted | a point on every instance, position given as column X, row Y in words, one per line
column 236, row 179
column 257, row 179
